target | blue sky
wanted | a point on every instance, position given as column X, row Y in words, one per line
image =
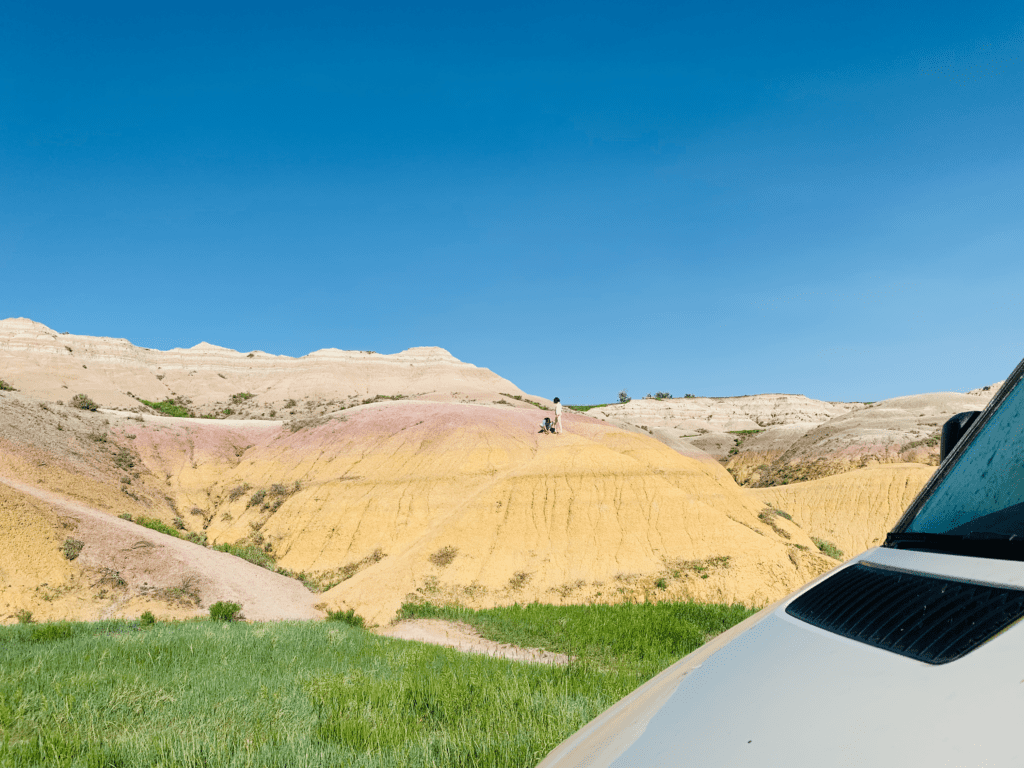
column 706, row 198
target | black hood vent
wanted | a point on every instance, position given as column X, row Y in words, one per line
column 927, row 618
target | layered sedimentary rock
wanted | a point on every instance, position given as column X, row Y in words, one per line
column 853, row 510
column 209, row 379
column 402, row 500
column 776, row 439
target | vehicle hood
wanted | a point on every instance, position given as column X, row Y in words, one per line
column 776, row 690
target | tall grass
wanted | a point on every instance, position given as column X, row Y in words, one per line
column 634, row 639
column 204, row 693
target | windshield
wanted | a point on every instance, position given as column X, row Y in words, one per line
column 982, row 496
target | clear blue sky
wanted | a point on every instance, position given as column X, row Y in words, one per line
column 711, row 198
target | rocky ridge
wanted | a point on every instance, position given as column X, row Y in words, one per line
column 220, row 382
column 774, row 439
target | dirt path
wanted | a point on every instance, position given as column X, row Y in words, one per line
column 463, row 637
column 156, row 565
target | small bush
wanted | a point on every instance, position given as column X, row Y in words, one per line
column 661, row 584
column 111, row 578
column 24, row 616
column 519, row 580
column 241, row 397
column 84, row 402
column 350, row 617
column 662, row 396
column 290, row 404
column 828, row 548
column 224, row 611
column 126, row 516
column 257, row 498
column 147, row 619
column 197, row 538
column 185, row 593
column 624, row 396
column 238, row 491
column 72, row 548
column 5, row 387
column 444, row 556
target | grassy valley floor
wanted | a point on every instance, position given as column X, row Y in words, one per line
column 204, row 693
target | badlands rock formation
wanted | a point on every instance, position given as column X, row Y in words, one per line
column 401, row 500
column 115, row 373
column 853, row 510
column 767, row 440
column 386, row 478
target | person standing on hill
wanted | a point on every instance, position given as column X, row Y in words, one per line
column 558, row 416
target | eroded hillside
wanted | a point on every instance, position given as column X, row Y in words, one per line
column 413, row 499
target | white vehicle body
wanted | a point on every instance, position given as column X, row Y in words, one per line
column 915, row 657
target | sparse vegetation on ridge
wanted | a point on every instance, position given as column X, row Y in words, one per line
column 5, row 387
column 522, row 399
column 155, row 525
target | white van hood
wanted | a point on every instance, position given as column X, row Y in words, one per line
column 777, row 691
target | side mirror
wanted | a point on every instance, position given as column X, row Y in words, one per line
column 953, row 430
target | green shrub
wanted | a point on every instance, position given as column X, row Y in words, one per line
column 624, row 396
column 249, row 552
column 84, row 402
column 224, row 611
column 5, row 387
column 23, row 616
column 241, row 397
column 174, row 408
column 156, row 525
column 197, row 537
column 72, row 548
column 257, row 498
column 828, row 548
column 147, row 619
column 349, row 617
column 126, row 516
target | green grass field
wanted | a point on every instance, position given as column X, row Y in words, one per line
column 203, row 693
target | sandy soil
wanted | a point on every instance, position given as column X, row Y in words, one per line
column 154, row 568
column 463, row 637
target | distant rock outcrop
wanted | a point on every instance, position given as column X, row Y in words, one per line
column 766, row 440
